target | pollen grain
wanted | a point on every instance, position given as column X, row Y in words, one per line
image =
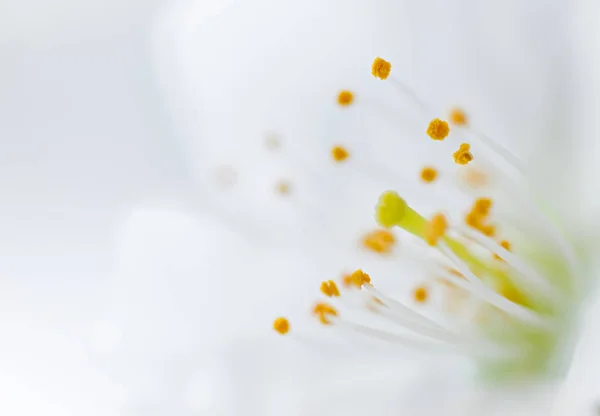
column 329, row 288
column 281, row 325
column 381, row 68
column 438, row 129
column 339, row 154
column 463, row 155
column 379, row 241
column 356, row 279
column 345, row 98
column 428, row 174
column 458, row 117
column 436, row 228
column 421, row 294
column 324, row 311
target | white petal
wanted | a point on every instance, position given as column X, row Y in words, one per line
column 256, row 69
column 297, row 377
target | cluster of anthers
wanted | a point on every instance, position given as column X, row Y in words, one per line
column 521, row 300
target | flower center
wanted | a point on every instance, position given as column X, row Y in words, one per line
column 521, row 299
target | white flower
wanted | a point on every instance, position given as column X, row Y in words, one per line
column 515, row 313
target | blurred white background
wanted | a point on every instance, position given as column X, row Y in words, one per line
column 85, row 137
column 105, row 108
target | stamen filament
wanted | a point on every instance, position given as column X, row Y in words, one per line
column 468, row 348
column 505, row 154
column 430, row 111
column 528, row 273
column 400, row 308
column 405, row 340
column 400, row 319
column 478, row 288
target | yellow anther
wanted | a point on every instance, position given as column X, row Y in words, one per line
column 421, row 294
column 482, row 207
column 438, row 129
column 339, row 154
column 504, row 244
column 488, row 230
column 476, row 221
column 436, row 228
column 390, row 209
column 478, row 217
column 357, row 279
column 472, row 220
column 428, row 174
column 474, row 177
column 379, row 241
column 283, row 188
column 281, row 325
column 347, row 280
column 381, row 68
column 463, row 155
column 329, row 288
column 458, row 117
column 345, row 98
column 324, row 311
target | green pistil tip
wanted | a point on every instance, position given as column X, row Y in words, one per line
column 393, row 211
column 390, row 209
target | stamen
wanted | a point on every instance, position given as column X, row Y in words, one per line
column 456, row 252
column 473, row 177
column 427, row 109
column 379, row 241
column 339, row 154
column 478, row 274
column 324, row 312
column 482, row 206
column 281, row 325
column 436, row 228
column 458, row 117
column 357, row 279
column 401, row 310
column 438, row 129
column 478, row 216
column 504, row 244
column 428, row 174
column 529, row 277
column 431, row 330
column 463, row 155
column 479, row 289
column 345, row 98
column 381, row 68
column 329, row 288
column 477, row 349
column 421, row 294
column 347, row 280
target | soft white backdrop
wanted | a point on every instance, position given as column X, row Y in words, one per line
column 113, row 118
